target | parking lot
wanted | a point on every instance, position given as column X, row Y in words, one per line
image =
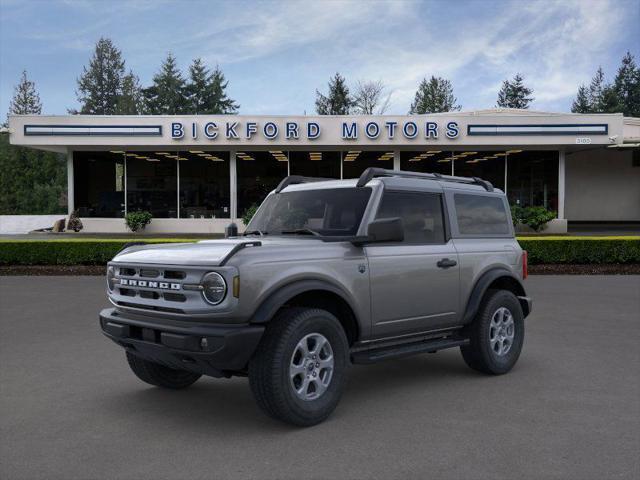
column 71, row 409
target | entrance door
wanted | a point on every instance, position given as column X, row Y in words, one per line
column 414, row 283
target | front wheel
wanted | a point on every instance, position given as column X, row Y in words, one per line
column 298, row 371
column 159, row 375
column 496, row 334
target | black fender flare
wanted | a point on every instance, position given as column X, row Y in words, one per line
column 280, row 296
column 482, row 285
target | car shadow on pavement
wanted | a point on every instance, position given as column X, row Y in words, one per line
column 229, row 405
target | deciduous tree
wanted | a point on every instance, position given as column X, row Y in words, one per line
column 371, row 98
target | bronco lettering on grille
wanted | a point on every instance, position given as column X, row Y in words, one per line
column 129, row 282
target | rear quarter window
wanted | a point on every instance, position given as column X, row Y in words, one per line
column 481, row 215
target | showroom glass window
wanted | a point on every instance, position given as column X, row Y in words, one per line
column 258, row 173
column 427, row 161
column 99, row 184
column 152, row 183
column 204, row 184
column 488, row 165
column 315, row 164
column 354, row 162
column 532, row 179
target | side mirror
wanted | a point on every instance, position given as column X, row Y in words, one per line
column 384, row 230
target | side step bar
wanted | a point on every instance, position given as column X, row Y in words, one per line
column 405, row 350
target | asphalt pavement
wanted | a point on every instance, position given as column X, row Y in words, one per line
column 71, row 409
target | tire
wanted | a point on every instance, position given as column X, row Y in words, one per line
column 490, row 349
column 281, row 352
column 159, row 375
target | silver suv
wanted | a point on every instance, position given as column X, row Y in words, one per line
column 327, row 274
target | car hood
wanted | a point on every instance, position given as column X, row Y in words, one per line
column 206, row 252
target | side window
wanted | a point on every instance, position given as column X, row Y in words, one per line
column 421, row 215
column 481, row 215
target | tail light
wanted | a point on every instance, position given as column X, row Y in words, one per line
column 525, row 264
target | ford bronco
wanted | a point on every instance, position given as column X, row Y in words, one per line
column 328, row 273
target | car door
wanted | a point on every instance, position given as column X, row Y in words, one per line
column 414, row 283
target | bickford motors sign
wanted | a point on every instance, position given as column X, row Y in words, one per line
column 294, row 130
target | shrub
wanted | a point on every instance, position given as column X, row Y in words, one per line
column 75, row 251
column 74, row 223
column 537, row 217
column 534, row 217
column 582, row 250
column 517, row 214
column 137, row 220
column 249, row 213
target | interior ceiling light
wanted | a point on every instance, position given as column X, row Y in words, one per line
column 152, row 160
column 162, row 153
column 470, row 153
column 444, row 160
column 131, row 154
column 196, row 151
column 514, row 151
column 434, row 151
column 500, row 154
column 116, row 151
column 141, row 157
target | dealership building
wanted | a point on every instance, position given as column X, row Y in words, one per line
column 197, row 173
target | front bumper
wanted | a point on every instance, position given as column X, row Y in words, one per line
column 214, row 350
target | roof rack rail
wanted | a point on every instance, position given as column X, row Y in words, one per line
column 297, row 179
column 373, row 172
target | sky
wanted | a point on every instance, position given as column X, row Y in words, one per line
column 276, row 54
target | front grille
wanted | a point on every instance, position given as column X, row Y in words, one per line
column 147, row 273
column 156, row 288
column 174, row 275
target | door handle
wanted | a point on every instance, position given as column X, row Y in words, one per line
column 446, row 263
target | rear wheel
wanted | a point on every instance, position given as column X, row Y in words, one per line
column 159, row 375
column 496, row 334
column 297, row 374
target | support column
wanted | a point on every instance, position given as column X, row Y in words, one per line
column 506, row 167
column 70, row 183
column 561, row 178
column 233, row 186
column 396, row 159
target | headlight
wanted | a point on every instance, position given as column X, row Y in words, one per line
column 214, row 288
column 111, row 275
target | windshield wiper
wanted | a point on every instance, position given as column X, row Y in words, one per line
column 300, row 231
column 254, row 232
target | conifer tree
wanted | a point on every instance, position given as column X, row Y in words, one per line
column 219, row 102
column 167, row 94
column 514, row 94
column 25, row 99
column 434, row 95
column 338, row 100
column 581, row 104
column 130, row 101
column 100, row 85
column 206, row 92
column 627, row 86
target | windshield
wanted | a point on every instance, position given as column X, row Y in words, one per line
column 325, row 212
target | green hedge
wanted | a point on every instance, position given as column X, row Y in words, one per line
column 66, row 252
column 570, row 250
column 581, row 250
